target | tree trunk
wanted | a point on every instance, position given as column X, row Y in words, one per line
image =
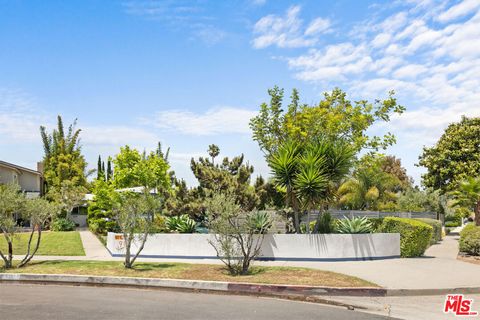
column 29, row 256
column 477, row 214
column 127, row 262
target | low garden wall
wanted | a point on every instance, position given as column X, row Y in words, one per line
column 294, row 247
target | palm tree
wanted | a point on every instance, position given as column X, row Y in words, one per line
column 368, row 188
column 308, row 173
column 468, row 195
column 283, row 163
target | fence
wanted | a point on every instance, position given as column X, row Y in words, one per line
column 340, row 214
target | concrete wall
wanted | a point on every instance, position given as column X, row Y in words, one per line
column 275, row 246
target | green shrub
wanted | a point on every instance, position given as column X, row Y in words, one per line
column 452, row 224
column 326, row 224
column 354, row 225
column 159, row 224
column 414, row 235
column 376, row 223
column 62, row 224
column 261, row 221
column 470, row 240
column 437, row 229
column 180, row 224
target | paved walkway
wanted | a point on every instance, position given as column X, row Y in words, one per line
column 439, row 268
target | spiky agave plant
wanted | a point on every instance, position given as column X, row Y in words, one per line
column 354, row 225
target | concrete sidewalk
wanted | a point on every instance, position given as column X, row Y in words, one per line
column 438, row 269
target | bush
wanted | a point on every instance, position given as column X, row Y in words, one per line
column 326, row 224
column 159, row 224
column 181, row 224
column 452, row 224
column 376, row 223
column 470, row 240
column 437, row 229
column 354, row 225
column 62, row 224
column 414, row 235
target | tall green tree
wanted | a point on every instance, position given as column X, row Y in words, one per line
column 334, row 117
column 63, row 160
column 467, row 195
column 455, row 157
column 231, row 174
column 213, row 152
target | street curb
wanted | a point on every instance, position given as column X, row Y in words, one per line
column 200, row 285
column 294, row 292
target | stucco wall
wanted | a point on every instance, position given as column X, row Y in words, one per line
column 27, row 181
column 275, row 246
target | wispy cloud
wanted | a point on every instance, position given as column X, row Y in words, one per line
column 288, row 31
column 180, row 14
column 224, row 120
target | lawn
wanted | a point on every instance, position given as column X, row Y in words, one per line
column 52, row 244
column 271, row 275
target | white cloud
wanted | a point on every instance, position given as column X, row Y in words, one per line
column 461, row 9
column 225, row 120
column 318, row 25
column 288, row 31
column 434, row 68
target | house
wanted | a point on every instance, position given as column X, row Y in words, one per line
column 30, row 181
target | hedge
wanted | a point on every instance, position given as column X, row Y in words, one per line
column 414, row 235
column 470, row 240
column 437, row 229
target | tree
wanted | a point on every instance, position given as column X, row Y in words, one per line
column 415, row 200
column 38, row 211
column 309, row 173
column 238, row 238
column 109, row 175
column 12, row 202
column 334, row 117
column 63, row 160
column 67, row 196
column 134, row 214
column 370, row 187
column 13, row 207
column 455, row 157
column 100, row 169
column 213, row 152
column 230, row 174
column 393, row 165
column 467, row 195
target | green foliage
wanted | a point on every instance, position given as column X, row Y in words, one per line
column 452, row 224
column 437, row 229
column 370, row 187
column 354, row 225
column 132, row 169
column 376, row 224
column 469, row 242
column 180, row 224
column 415, row 236
column 159, row 224
column 261, row 221
column 229, row 175
column 467, row 195
column 100, row 218
column 325, row 224
column 308, row 172
column 62, row 224
column 334, row 116
column 415, row 200
column 237, row 237
column 455, row 157
column 63, row 160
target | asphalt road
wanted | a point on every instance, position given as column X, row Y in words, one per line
column 68, row 302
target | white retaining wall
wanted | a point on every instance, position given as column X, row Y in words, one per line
column 274, row 247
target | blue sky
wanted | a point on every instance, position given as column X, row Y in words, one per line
column 191, row 73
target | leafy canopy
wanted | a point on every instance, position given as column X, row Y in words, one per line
column 334, row 117
column 455, row 157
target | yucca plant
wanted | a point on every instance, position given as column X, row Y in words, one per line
column 354, row 225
